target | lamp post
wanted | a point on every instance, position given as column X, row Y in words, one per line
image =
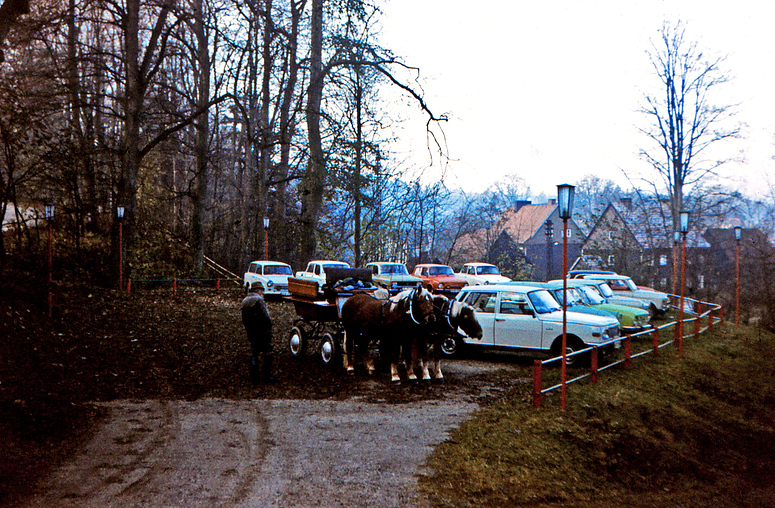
column 738, row 237
column 266, row 238
column 549, row 232
column 49, row 212
column 120, row 215
column 676, row 241
column 684, row 227
column 565, row 209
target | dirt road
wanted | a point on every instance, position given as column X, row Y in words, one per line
column 213, row 452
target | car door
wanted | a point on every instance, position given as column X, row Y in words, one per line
column 484, row 303
column 516, row 323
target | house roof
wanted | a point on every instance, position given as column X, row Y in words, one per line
column 523, row 223
column 650, row 221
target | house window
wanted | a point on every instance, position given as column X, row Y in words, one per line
column 610, row 235
column 664, row 282
column 663, row 260
column 567, row 233
column 702, row 282
column 611, row 259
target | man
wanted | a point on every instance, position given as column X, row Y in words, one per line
column 258, row 325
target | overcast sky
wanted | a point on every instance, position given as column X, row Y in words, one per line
column 550, row 90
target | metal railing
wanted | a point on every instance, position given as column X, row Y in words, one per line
column 626, row 342
column 175, row 285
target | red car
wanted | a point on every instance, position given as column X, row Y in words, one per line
column 439, row 278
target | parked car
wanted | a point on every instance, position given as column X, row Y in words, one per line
column 392, row 276
column 439, row 278
column 631, row 319
column 624, row 285
column 575, row 300
column 316, row 270
column 574, row 274
column 615, row 298
column 481, row 273
column 271, row 276
column 517, row 317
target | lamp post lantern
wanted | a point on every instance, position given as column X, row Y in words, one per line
column 684, row 227
column 49, row 213
column 565, row 194
column 120, row 215
column 738, row 237
column 266, row 238
column 549, row 232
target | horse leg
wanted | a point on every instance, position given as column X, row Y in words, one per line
column 347, row 357
column 437, row 375
column 369, row 361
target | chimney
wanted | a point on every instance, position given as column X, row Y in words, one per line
column 520, row 203
column 552, row 201
column 626, row 202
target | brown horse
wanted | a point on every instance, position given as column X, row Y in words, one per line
column 427, row 346
column 365, row 318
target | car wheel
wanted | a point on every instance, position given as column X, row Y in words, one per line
column 297, row 342
column 572, row 344
column 451, row 346
column 328, row 349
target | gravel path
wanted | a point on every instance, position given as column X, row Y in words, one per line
column 258, row 453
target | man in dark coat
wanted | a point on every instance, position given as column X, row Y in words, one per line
column 258, row 325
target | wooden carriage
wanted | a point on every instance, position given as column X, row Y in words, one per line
column 319, row 310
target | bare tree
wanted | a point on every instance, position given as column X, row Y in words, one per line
column 686, row 126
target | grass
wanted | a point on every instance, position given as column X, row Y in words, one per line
column 691, row 432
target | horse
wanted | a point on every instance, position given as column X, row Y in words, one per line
column 365, row 317
column 426, row 347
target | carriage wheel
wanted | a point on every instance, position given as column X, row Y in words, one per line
column 328, row 349
column 297, row 342
column 451, row 346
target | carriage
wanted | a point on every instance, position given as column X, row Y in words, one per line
column 319, row 310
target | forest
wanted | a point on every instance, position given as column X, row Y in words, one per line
column 237, row 131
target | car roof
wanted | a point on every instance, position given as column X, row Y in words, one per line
column 478, row 264
column 501, row 287
column 265, row 262
column 603, row 276
column 431, row 264
column 384, row 263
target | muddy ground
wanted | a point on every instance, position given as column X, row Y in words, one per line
column 144, row 399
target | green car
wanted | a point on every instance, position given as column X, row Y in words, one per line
column 631, row 319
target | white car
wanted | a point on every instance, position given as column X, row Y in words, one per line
column 481, row 273
column 316, row 270
column 529, row 318
column 272, row 276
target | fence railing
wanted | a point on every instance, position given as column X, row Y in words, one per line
column 175, row 285
column 696, row 316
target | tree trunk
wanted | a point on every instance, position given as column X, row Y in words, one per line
column 314, row 179
column 199, row 218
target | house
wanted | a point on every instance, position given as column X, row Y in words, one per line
column 520, row 244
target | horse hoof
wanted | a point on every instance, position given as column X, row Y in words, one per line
column 350, row 372
column 396, row 381
column 438, row 379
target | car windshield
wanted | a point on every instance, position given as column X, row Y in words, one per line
column 397, row 269
column 630, row 285
column 277, row 270
column 591, row 295
column 605, row 290
column 573, row 297
column 488, row 270
column 543, row 301
column 440, row 270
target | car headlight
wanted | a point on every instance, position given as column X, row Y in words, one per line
column 269, row 284
column 441, row 286
column 394, row 284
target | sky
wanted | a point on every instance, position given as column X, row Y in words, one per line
column 550, row 91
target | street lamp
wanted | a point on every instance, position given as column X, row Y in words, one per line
column 684, row 227
column 120, row 215
column 676, row 241
column 49, row 213
column 738, row 237
column 266, row 238
column 565, row 194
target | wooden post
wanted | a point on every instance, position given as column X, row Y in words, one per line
column 537, row 383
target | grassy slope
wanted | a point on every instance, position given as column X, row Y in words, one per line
column 697, row 431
